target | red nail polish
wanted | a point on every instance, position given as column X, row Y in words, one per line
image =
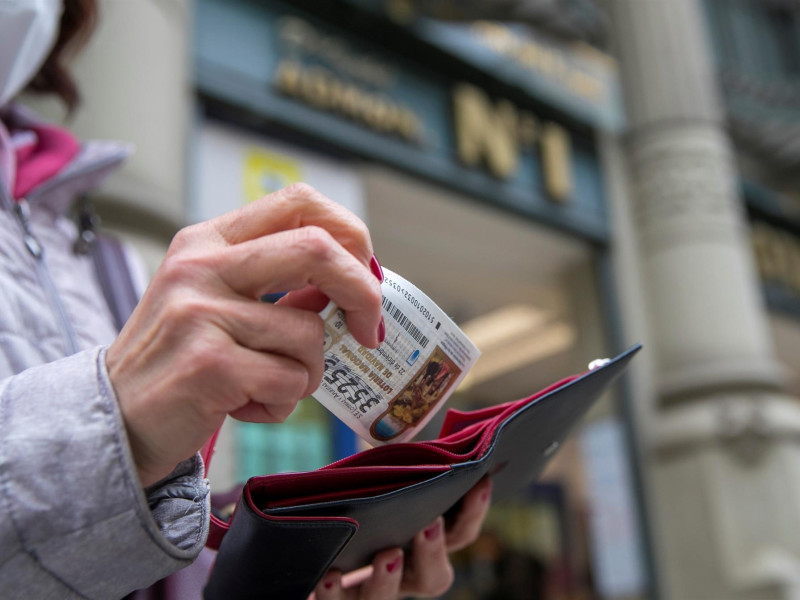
column 485, row 495
column 394, row 564
column 328, row 585
column 432, row 532
column 381, row 331
column 376, row 269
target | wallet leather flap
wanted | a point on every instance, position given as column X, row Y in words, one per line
column 524, row 442
column 268, row 557
column 392, row 519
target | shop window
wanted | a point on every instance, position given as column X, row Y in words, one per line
column 303, row 442
column 785, row 29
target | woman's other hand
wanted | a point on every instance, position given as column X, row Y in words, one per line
column 200, row 345
column 426, row 571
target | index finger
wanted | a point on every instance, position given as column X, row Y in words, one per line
column 295, row 206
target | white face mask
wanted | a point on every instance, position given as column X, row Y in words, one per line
column 28, row 31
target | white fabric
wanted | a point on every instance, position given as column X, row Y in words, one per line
column 28, row 31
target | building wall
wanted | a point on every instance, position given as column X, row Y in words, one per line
column 135, row 80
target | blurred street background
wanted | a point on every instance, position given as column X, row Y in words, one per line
column 563, row 177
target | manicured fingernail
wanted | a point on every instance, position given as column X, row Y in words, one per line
column 381, row 331
column 394, row 564
column 376, row 269
column 432, row 532
column 487, row 493
column 331, row 581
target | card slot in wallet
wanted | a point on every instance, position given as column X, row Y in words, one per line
column 407, row 454
column 511, row 444
column 297, row 489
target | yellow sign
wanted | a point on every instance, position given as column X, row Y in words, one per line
column 494, row 135
column 266, row 172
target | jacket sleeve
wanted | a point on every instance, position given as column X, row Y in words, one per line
column 74, row 516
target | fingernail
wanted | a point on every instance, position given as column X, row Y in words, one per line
column 381, row 331
column 328, row 585
column 376, row 269
column 432, row 532
column 394, row 564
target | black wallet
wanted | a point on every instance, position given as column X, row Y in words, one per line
column 288, row 529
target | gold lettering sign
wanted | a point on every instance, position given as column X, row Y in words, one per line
column 318, row 87
column 302, row 37
column 542, row 59
column 486, row 133
column 494, row 134
column 777, row 255
column 555, row 161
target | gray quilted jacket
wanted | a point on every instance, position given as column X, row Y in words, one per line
column 74, row 521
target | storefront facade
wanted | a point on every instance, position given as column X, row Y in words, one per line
column 486, row 193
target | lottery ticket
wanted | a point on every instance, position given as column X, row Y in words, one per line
column 389, row 393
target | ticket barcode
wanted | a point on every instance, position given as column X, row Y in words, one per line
column 405, row 322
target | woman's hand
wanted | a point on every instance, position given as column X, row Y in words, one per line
column 200, row 345
column 426, row 572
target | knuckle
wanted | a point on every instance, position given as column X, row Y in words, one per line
column 185, row 308
column 281, row 412
column 360, row 233
column 316, row 243
column 310, row 328
column 204, row 360
column 299, row 382
column 179, row 267
column 172, row 269
column 288, row 381
column 300, row 190
column 184, row 238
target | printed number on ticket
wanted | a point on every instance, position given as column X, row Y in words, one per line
column 390, row 393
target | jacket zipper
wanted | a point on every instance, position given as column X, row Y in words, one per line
column 22, row 212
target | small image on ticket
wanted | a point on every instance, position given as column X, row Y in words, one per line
column 389, row 393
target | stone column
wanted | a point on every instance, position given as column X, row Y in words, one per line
column 723, row 452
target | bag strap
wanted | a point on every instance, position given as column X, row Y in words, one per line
column 217, row 527
column 110, row 264
column 115, row 278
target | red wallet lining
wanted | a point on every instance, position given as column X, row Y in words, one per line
column 464, row 436
column 470, row 437
column 292, row 489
